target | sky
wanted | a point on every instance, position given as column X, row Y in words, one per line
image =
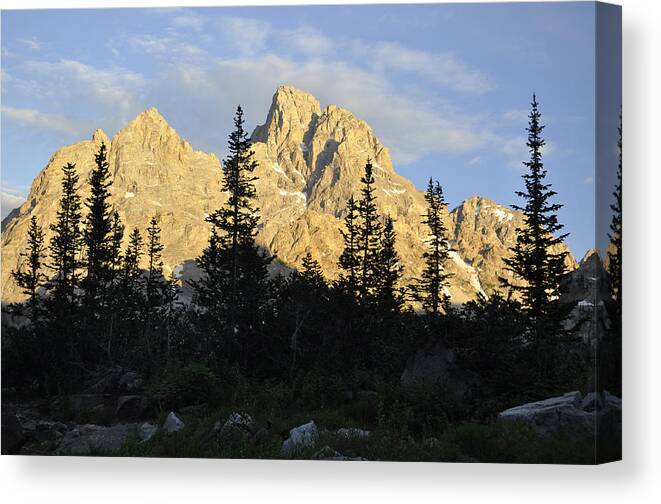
column 446, row 87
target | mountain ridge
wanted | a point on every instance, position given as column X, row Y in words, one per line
column 310, row 161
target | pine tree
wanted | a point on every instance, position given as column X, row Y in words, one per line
column 155, row 279
column 117, row 237
column 369, row 233
column 389, row 270
column 349, row 261
column 430, row 289
column 615, row 235
column 29, row 276
column 66, row 245
column 536, row 269
column 233, row 289
column 131, row 273
column 312, row 274
column 99, row 238
column 610, row 348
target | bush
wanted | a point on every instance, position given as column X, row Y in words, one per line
column 192, row 384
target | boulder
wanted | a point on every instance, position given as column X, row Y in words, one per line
column 12, row 433
column 437, row 366
column 328, row 453
column 131, row 382
column 172, row 423
column 132, row 407
column 237, row 426
column 147, row 431
column 352, row 432
column 93, row 439
column 569, row 415
column 301, row 437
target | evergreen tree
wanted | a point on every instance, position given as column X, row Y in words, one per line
column 28, row 276
column 66, row 245
column 389, row 271
column 615, row 235
column 131, row 273
column 117, row 237
column 369, row 232
column 100, row 239
column 233, row 287
column 610, row 348
column 154, row 283
column 430, row 289
column 349, row 261
column 536, row 269
column 312, row 274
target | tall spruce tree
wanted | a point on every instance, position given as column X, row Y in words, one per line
column 100, row 238
column 369, row 233
column 155, row 278
column 312, row 274
column 29, row 275
column 232, row 289
column 615, row 235
column 537, row 270
column 389, row 271
column 610, row 348
column 349, row 261
column 66, row 246
column 430, row 289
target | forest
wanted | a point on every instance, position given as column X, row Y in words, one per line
column 285, row 349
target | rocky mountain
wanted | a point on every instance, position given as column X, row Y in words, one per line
column 310, row 162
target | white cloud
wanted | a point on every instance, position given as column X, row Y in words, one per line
column 244, row 35
column 517, row 115
column 30, row 43
column 443, row 69
column 116, row 89
column 307, row 41
column 409, row 128
column 188, row 20
column 169, row 47
column 10, row 198
column 36, row 119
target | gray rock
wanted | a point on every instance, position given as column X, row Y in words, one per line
column 592, row 402
column 237, row 425
column 90, row 439
column 131, row 382
column 172, row 423
column 437, row 366
column 564, row 416
column 352, row 432
column 301, row 437
column 132, row 407
column 147, row 431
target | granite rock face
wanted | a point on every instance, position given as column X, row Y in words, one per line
column 310, row 162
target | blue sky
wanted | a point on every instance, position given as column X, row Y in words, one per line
column 445, row 87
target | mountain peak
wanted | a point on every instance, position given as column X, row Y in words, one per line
column 292, row 110
column 99, row 136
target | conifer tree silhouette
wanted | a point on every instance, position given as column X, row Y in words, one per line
column 536, row 269
column 66, row 245
column 100, row 239
column 233, row 287
column 349, row 261
column 369, row 232
column 389, row 271
column 29, row 275
column 430, row 289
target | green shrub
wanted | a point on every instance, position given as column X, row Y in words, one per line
column 192, row 384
